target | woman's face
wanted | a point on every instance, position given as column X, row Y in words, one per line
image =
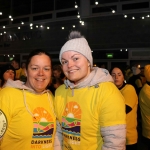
column 75, row 66
column 9, row 74
column 118, row 77
column 39, row 73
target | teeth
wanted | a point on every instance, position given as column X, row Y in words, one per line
column 40, row 79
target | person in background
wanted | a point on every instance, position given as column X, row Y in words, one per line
column 7, row 72
column 54, row 84
column 89, row 107
column 144, row 101
column 131, row 102
column 135, row 80
column 57, row 72
column 19, row 71
column 23, row 76
column 27, row 116
column 142, row 76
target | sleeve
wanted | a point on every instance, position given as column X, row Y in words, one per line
column 114, row 137
column 112, row 118
column 131, row 98
column 58, row 137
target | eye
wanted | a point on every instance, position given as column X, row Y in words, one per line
column 64, row 62
column 75, row 58
column 34, row 68
column 47, row 69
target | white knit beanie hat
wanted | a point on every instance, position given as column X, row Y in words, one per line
column 78, row 45
column 136, row 70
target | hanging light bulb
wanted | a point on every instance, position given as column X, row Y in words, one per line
column 96, row 2
column 63, row 28
column 31, row 24
column 18, row 27
column 73, row 26
column 78, row 16
column 142, row 17
column 22, row 22
column 133, row 18
column 0, row 13
column 37, row 26
column 10, row 16
column 148, row 16
column 76, row 6
column 31, row 27
column 12, row 19
column 48, row 28
column 113, row 11
column 125, row 16
column 3, row 26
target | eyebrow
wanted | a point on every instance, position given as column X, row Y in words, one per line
column 71, row 56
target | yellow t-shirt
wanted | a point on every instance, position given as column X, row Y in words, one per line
column 144, row 101
column 19, row 73
column 23, row 131
column 82, row 112
column 131, row 100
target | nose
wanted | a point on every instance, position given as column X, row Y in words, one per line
column 70, row 63
column 40, row 72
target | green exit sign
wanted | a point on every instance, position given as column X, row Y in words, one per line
column 109, row 55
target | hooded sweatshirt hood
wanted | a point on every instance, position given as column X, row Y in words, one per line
column 20, row 85
column 97, row 75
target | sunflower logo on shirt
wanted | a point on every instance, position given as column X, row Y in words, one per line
column 71, row 122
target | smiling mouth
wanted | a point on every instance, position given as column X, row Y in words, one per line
column 40, row 80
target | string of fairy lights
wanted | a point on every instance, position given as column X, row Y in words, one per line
column 124, row 15
column 32, row 26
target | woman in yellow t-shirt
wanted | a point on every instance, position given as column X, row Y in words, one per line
column 88, row 106
column 28, row 121
column 131, row 101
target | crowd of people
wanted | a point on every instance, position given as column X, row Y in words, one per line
column 73, row 105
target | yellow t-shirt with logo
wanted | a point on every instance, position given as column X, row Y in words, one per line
column 23, row 131
column 144, row 101
column 82, row 112
column 131, row 100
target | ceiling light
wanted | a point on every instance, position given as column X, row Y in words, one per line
column 1, row 33
column 31, row 24
column 31, row 27
column 76, row 6
column 41, row 26
column 147, row 16
column 125, row 16
column 37, row 26
column 0, row 13
column 63, row 28
column 4, row 32
column 3, row 26
column 18, row 27
column 10, row 16
column 121, row 50
column 96, row 3
column 12, row 19
column 133, row 18
column 142, row 17
column 47, row 27
column 74, row 26
column 113, row 11
column 78, row 16
column 22, row 22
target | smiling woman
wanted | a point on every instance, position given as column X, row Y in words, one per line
column 89, row 107
column 28, row 108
